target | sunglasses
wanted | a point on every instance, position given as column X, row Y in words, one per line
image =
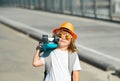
column 67, row 36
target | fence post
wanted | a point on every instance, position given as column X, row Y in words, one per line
column 61, row 6
column 81, row 7
column 70, row 7
column 46, row 7
column 95, row 8
column 110, row 9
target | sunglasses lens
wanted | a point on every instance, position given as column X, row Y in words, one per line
column 68, row 37
column 60, row 35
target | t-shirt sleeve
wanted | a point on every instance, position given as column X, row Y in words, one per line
column 77, row 65
column 43, row 59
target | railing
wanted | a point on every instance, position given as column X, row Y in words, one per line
column 99, row 9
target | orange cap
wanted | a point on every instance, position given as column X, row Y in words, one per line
column 69, row 26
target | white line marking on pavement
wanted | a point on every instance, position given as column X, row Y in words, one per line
column 99, row 53
column 21, row 25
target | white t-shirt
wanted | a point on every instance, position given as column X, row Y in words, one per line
column 59, row 69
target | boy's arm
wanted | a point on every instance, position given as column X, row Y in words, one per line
column 37, row 61
column 76, row 75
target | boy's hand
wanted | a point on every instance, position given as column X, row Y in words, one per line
column 38, row 47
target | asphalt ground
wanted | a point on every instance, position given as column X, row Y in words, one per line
column 98, row 41
column 16, row 55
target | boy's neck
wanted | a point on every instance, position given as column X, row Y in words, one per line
column 63, row 48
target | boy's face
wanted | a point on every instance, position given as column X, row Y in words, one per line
column 65, row 38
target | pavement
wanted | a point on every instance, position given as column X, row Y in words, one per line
column 16, row 54
column 98, row 41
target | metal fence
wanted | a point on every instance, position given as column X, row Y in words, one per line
column 99, row 9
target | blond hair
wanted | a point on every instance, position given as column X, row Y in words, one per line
column 72, row 47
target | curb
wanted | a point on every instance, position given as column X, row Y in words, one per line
column 84, row 57
column 118, row 72
column 96, row 62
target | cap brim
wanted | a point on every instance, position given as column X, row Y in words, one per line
column 73, row 34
